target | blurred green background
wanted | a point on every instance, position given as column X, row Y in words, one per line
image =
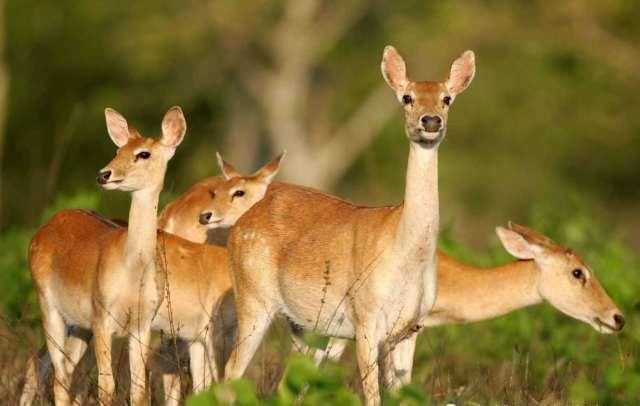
column 548, row 135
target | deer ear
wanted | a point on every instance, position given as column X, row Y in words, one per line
column 515, row 244
column 394, row 70
column 117, row 127
column 270, row 170
column 174, row 126
column 228, row 171
column 462, row 72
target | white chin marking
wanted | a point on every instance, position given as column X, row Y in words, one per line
column 601, row 328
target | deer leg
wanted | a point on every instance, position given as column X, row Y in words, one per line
column 367, row 353
column 396, row 364
column 403, row 362
column 37, row 370
column 56, row 336
column 254, row 318
column 75, row 348
column 169, row 360
column 102, row 344
column 139, row 342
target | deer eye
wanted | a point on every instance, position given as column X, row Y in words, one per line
column 212, row 193
column 577, row 273
column 143, row 155
column 406, row 99
column 238, row 193
column 447, row 100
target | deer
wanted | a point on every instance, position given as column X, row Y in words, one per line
column 107, row 282
column 180, row 217
column 543, row 271
column 194, row 271
column 343, row 270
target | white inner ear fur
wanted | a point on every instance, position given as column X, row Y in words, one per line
column 117, row 127
column 394, row 69
column 462, row 73
column 516, row 245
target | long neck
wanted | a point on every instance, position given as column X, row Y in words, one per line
column 417, row 229
column 468, row 294
column 143, row 223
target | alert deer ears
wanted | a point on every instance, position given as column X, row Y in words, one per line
column 516, row 244
column 174, row 126
column 228, row 171
column 270, row 170
column 462, row 72
column 394, row 70
column 118, row 128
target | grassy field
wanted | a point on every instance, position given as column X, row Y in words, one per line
column 534, row 356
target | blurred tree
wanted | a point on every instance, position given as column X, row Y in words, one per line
column 281, row 77
column 550, row 114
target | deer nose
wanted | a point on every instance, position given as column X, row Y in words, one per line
column 619, row 321
column 103, row 177
column 205, row 217
column 431, row 123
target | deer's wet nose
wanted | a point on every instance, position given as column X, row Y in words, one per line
column 619, row 321
column 431, row 123
column 103, row 177
column 205, row 217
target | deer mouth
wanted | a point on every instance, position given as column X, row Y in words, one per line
column 112, row 184
column 427, row 139
column 214, row 223
column 603, row 327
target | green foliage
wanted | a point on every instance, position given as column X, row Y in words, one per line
column 409, row 395
column 314, row 340
column 85, row 199
column 303, row 384
column 239, row 392
column 18, row 295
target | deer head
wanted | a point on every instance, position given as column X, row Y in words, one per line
column 426, row 103
column 564, row 279
column 238, row 193
column 140, row 163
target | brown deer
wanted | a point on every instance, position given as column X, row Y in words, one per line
column 544, row 271
column 109, row 283
column 196, row 293
column 345, row 270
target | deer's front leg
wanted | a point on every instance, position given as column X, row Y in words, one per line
column 367, row 353
column 398, row 364
column 139, row 343
column 102, row 342
column 203, row 364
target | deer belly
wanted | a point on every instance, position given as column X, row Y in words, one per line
column 325, row 313
column 185, row 320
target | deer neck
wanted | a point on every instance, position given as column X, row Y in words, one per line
column 488, row 293
column 140, row 245
column 417, row 230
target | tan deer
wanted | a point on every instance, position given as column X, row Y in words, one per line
column 108, row 283
column 197, row 290
column 344, row 270
column 181, row 216
column 544, row 271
